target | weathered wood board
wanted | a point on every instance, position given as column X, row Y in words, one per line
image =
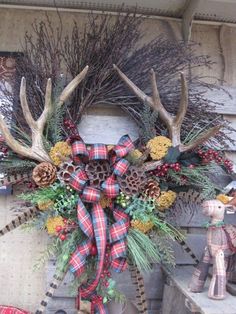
column 176, row 292
column 20, row 285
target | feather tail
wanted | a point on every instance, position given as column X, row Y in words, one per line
column 188, row 250
column 12, row 179
column 19, row 220
column 137, row 280
column 50, row 292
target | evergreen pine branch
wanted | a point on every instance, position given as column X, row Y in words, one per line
column 141, row 250
column 54, row 131
column 51, row 250
column 167, row 229
column 14, row 165
column 165, row 249
column 196, row 177
column 148, row 118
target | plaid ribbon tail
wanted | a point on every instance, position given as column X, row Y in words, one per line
column 100, row 226
column 99, row 308
column 118, row 233
column 78, row 258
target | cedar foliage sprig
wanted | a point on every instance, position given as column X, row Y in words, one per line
column 44, row 194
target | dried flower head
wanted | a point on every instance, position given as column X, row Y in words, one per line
column 159, row 147
column 143, row 226
column 52, row 223
column 60, row 152
column 165, row 200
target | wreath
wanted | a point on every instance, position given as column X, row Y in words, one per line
column 104, row 206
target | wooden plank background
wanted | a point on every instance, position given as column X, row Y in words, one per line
column 19, row 250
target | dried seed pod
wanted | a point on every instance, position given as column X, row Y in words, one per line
column 98, row 171
column 133, row 181
column 65, row 171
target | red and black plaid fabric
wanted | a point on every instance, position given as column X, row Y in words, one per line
column 118, row 233
column 94, row 225
column 79, row 152
column 91, row 194
column 78, row 180
column 98, row 152
column 120, row 167
column 110, row 187
column 11, row 310
column 124, row 146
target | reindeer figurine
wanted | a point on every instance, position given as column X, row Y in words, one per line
column 220, row 251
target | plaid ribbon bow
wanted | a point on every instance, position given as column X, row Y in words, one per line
column 94, row 224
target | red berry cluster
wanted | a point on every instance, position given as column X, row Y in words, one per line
column 162, row 170
column 211, row 155
column 62, row 231
column 31, row 185
column 70, row 127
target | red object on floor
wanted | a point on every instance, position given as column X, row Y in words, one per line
column 11, row 310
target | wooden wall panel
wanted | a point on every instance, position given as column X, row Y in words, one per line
column 20, row 285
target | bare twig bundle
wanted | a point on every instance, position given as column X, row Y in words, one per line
column 105, row 40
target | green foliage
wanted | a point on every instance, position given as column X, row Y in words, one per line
column 51, row 250
column 142, row 250
column 111, row 293
column 15, row 165
column 148, row 118
column 197, row 177
column 165, row 249
column 44, row 194
column 166, row 229
column 61, row 249
column 67, row 247
column 140, row 209
column 55, row 131
column 66, row 203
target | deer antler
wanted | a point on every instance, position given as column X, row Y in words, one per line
column 173, row 123
column 37, row 150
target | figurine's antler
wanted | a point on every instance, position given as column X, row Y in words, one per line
column 37, row 150
column 173, row 123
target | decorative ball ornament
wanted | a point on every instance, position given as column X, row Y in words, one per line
column 44, row 174
column 133, row 181
column 94, row 250
column 97, row 171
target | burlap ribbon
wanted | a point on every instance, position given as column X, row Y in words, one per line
column 94, row 223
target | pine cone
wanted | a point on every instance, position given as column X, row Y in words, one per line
column 44, row 174
column 152, row 189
